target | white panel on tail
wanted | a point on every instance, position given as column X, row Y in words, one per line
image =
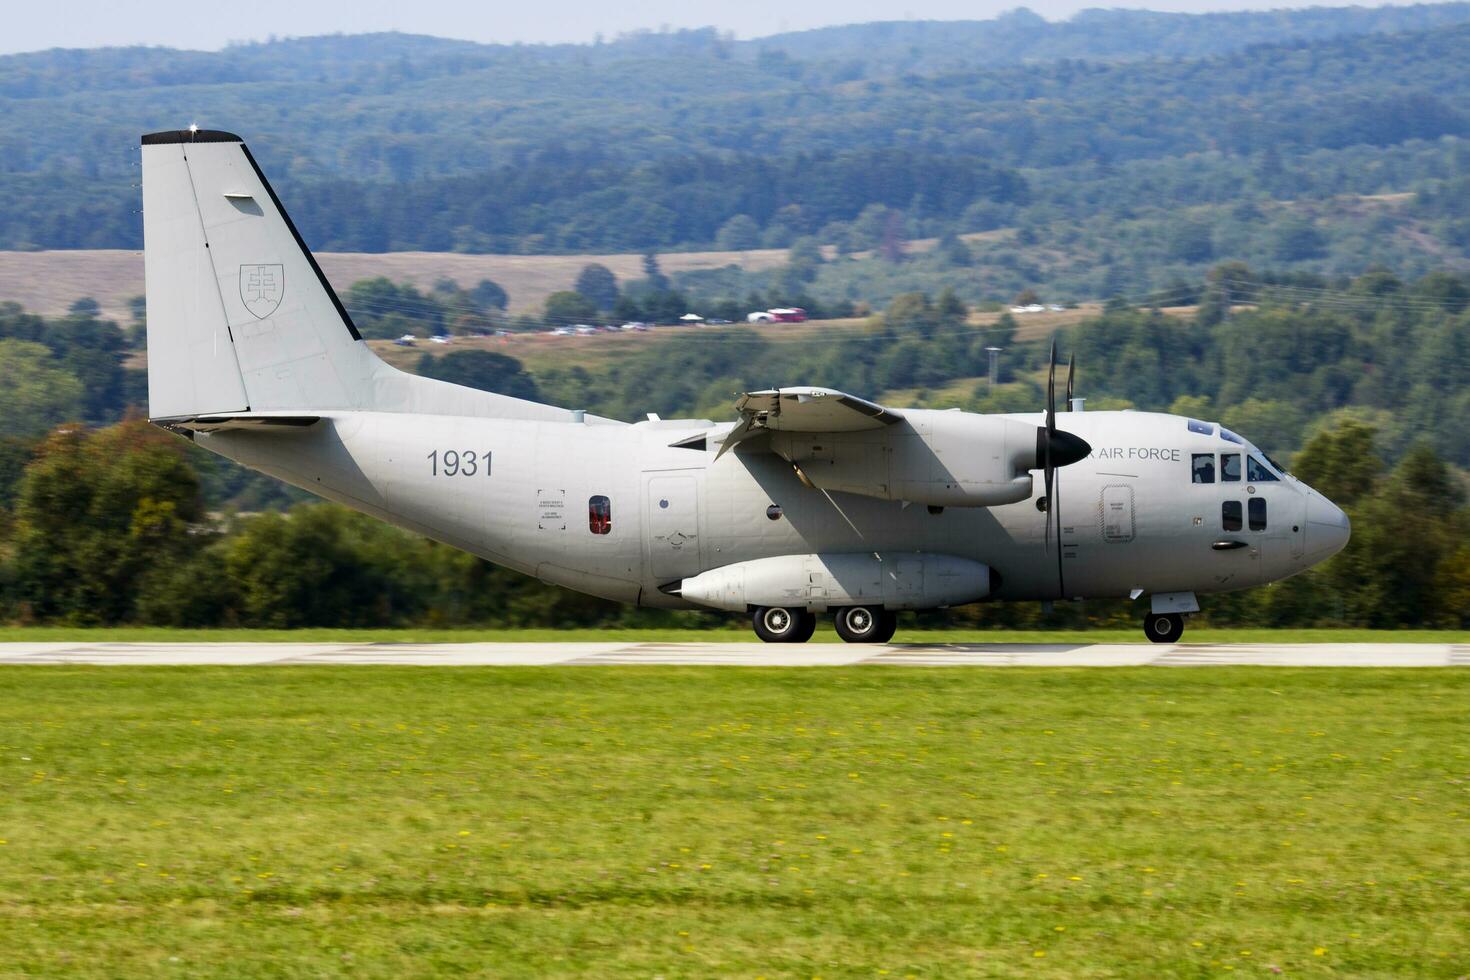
column 191, row 362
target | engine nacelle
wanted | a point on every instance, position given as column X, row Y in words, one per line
column 893, row 580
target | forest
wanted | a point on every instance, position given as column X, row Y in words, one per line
column 1102, row 155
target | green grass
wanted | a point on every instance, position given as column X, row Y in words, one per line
column 853, row 822
column 154, row 634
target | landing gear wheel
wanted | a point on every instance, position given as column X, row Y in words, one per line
column 865, row 624
column 1164, row 627
column 777, row 624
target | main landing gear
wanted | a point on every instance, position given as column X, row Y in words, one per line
column 1163, row 627
column 855, row 624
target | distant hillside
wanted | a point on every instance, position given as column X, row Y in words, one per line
column 1096, row 35
column 1142, row 144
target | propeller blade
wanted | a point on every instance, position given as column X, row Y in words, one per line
column 1071, row 371
column 1050, row 475
column 1051, row 391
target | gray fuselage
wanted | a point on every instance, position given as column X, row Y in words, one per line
column 518, row 493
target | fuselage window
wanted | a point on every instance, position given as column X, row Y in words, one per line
column 1258, row 514
column 1230, row 515
column 599, row 515
column 1230, row 467
column 1204, row 468
column 1257, row 472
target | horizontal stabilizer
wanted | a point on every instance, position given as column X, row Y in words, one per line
column 214, row 423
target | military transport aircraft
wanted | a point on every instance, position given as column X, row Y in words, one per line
column 813, row 501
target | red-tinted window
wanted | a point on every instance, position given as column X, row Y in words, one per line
column 599, row 515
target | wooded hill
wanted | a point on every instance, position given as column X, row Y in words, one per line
column 1090, row 135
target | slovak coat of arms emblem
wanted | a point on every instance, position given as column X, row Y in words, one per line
column 261, row 288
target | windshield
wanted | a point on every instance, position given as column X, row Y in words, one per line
column 1257, row 471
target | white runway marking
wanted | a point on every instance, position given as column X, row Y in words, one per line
column 744, row 654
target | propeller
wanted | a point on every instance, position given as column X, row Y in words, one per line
column 1055, row 447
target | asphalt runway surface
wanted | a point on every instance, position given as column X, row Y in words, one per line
column 746, row 654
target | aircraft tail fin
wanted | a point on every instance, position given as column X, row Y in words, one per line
column 240, row 317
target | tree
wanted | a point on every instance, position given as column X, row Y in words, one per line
column 1341, row 463
column 35, row 392
column 485, row 370
column 95, row 513
column 954, row 252
column 598, row 284
column 950, row 313
column 489, row 293
column 1297, row 240
column 567, row 307
column 1189, row 241
column 653, row 274
column 911, row 313
column 323, row 566
column 739, row 234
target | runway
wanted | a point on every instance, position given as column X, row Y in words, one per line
column 743, row 654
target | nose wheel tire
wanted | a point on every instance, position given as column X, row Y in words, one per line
column 778, row 624
column 1164, row 627
column 865, row 624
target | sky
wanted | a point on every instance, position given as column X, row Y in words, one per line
column 211, row 24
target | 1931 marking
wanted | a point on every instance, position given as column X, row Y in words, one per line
column 450, row 462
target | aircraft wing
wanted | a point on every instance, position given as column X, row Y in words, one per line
column 805, row 410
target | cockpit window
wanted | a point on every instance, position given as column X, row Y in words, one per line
column 1203, row 428
column 1230, row 467
column 1256, row 471
column 1274, row 465
column 1229, row 436
column 1203, row 468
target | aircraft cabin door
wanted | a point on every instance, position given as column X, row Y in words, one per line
column 673, row 526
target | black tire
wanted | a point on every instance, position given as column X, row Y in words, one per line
column 778, row 624
column 1163, row 627
column 863, row 624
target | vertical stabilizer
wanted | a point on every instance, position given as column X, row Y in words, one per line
column 227, row 268
column 240, row 317
column 191, row 361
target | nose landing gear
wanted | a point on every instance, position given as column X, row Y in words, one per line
column 1163, row 627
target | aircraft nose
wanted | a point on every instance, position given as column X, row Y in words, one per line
column 1328, row 528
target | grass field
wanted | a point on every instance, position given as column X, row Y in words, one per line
column 676, row 822
column 824, row 634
